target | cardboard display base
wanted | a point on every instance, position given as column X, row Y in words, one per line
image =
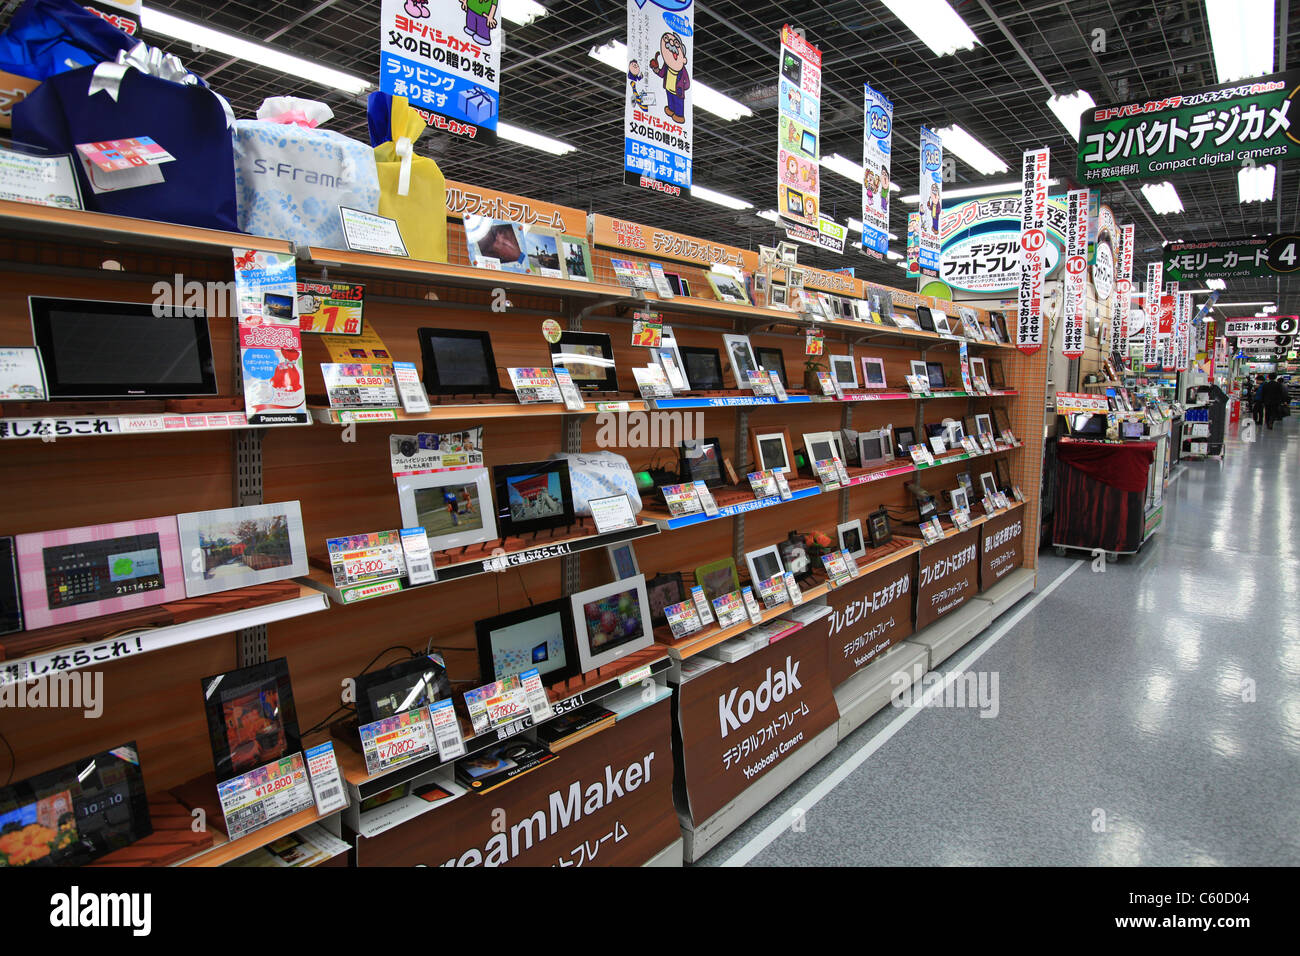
column 700, row 840
column 869, row 691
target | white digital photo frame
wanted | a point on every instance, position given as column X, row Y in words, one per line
column 844, row 371
column 851, row 540
column 238, row 547
column 454, row 507
column 611, row 622
column 873, row 372
column 741, row 358
column 763, row 564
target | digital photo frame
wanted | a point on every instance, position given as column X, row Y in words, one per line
column 905, row 438
column 542, row 250
column 997, row 375
column 454, row 507
column 978, row 369
column 935, row 376
column 727, row 288
column 919, row 369
column 610, row 622
column 878, row 529
column 703, row 368
column 496, row 242
column 458, row 362
column 940, row 319
column 540, row 636
column 763, row 564
column 988, row 485
column 771, row 448
column 664, row 590
column 575, row 258
column 589, row 358
column 415, row 682
column 700, row 459
column 622, row 560
column 983, row 424
column 239, row 547
column 1001, row 421
column 875, row 447
column 532, row 496
column 873, row 373
column 740, row 355
column 844, row 370
column 91, row 349
column 773, row 360
column 925, row 318
column 823, row 446
column 718, row 578
column 957, row 497
column 679, row 284
column 1002, row 474
column 251, row 717
column 80, row 573
column 851, row 540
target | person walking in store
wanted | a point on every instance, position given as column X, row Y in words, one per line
column 1273, row 396
column 1257, row 400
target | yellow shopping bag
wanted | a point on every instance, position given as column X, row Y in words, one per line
column 412, row 189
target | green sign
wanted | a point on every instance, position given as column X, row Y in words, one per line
column 1254, row 121
column 1258, row 257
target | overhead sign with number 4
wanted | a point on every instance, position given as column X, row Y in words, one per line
column 1256, row 257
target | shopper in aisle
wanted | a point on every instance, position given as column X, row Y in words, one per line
column 1257, row 400
column 1274, row 397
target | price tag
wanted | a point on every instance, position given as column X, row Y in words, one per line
column 683, row 619
column 397, row 739
column 960, row 518
column 751, row 605
column 826, row 473
column 366, row 558
column 495, row 705
column 1019, row 495
column 827, row 383
column 987, row 441
column 931, row 531
column 987, row 503
column 701, row 605
column 763, row 483
column 841, row 472
column 410, row 389
column 446, row 731
column 652, row 382
column 836, row 572
column 534, row 386
column 921, row 455
column 852, row 563
column 682, row 500
column 782, row 486
column 1001, row 500
column 937, row 445
column 539, row 705
column 779, row 389
column 792, row 587
column 262, row 796
column 773, row 592
column 573, row 400
column 419, row 562
column 705, row 496
column 612, row 514
column 326, row 781
column 359, row 385
column 368, row 232
column 634, row 677
column 968, row 442
column 730, row 609
column 814, row 343
column 648, row 328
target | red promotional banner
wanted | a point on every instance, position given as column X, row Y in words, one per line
column 1123, row 294
column 1076, row 271
column 1033, row 249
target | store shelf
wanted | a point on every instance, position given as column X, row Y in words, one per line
column 131, row 636
column 701, row 641
column 565, row 697
column 224, row 850
column 486, row 410
column 44, row 222
column 725, row 401
column 56, row 421
column 806, row 489
column 975, row 522
column 369, row 264
column 514, row 551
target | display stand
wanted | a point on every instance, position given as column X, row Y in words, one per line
column 1106, row 497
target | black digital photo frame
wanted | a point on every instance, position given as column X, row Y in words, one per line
column 251, row 717
column 878, row 529
column 540, row 636
column 662, row 591
column 532, row 496
column 934, row 373
column 11, row 600
column 925, row 318
column 96, row 349
column 773, row 360
column 904, row 438
column 77, row 813
column 589, row 357
column 415, row 682
column 1002, row 474
column 1001, row 421
column 458, row 362
column 703, row 368
column 700, row 459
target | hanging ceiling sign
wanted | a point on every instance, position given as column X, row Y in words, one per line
column 123, row 14
column 1257, row 257
column 1275, row 325
column 1256, row 120
column 980, row 243
column 1076, row 271
column 877, row 154
column 658, row 106
column 799, row 149
column 1033, row 248
column 1123, row 290
column 931, row 201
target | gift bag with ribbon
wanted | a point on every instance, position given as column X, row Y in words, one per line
column 412, row 189
column 291, row 177
column 52, row 36
column 155, row 141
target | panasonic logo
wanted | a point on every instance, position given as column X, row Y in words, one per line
column 735, row 711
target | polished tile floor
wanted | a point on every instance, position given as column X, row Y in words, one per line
column 1147, row 715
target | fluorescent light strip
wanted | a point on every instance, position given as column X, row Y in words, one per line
column 1242, row 35
column 522, row 12
column 935, row 23
column 850, row 170
column 771, row 215
column 1163, row 198
column 961, row 143
column 964, row 191
column 1242, row 305
column 1216, row 284
column 1255, row 183
column 614, row 54
column 1069, row 110
column 526, row 137
column 157, row 21
column 720, row 199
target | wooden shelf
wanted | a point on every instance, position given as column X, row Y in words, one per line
column 446, row 413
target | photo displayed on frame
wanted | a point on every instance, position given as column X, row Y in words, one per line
column 988, row 485
column 935, row 376
column 957, row 498
column 941, row 321
column 878, row 529
column 718, row 578
column 700, row 459
column 400, row 687
column 771, row 449
column 611, row 622
column 539, row 636
column 978, row 370
column 741, row 356
column 622, row 560
column 251, row 717
column 454, row 508
column 542, row 250
column 239, row 547
column 663, row 591
column 881, row 305
column 983, row 424
column 873, row 373
column 589, row 357
column 575, row 258
column 532, row 496
column 496, row 244
column 851, row 540
column 727, row 288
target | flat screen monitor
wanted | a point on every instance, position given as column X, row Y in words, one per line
column 1088, row 425
column 76, row 813
column 538, row 637
column 589, row 357
column 458, row 362
column 406, row 685
column 94, row 349
column 533, row 496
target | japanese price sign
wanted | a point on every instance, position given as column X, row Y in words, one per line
column 1076, row 271
column 1033, row 244
column 1123, row 292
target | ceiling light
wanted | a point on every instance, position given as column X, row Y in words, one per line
column 1069, row 109
column 961, row 143
column 893, row 255
column 614, row 54
column 1163, row 198
column 1255, row 183
column 1241, row 33
column 991, row 188
column 1216, row 284
column 936, row 23
column 156, row 21
column 771, row 215
column 522, row 12
column 1270, row 308
column 721, row 199
column 526, row 137
column 850, row 170
column 1232, row 305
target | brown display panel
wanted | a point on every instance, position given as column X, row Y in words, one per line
column 1002, row 546
column 869, row 615
column 947, row 576
column 623, row 830
column 719, row 746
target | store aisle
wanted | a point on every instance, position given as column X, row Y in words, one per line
column 1126, row 730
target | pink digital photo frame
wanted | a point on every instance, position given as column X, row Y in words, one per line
column 81, row 573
